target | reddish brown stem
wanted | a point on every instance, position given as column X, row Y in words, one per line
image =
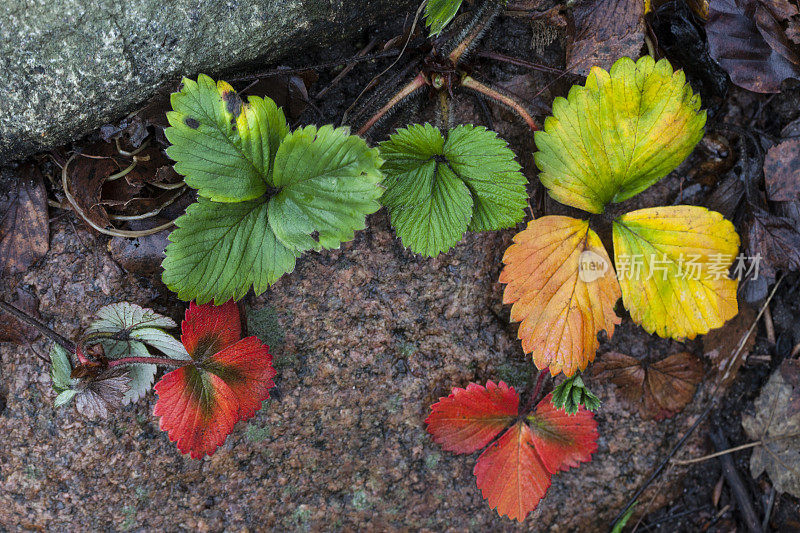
column 166, row 361
column 471, row 83
column 414, row 85
column 534, row 398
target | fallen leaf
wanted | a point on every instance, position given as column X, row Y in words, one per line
column 289, row 91
column 24, row 225
column 782, row 171
column 775, row 421
column 656, row 391
column 97, row 396
column 563, row 290
column 87, row 174
column 720, row 344
column 775, row 239
column 605, row 30
column 682, row 37
column 11, row 329
column 230, row 378
column 750, row 45
column 672, row 264
column 142, row 255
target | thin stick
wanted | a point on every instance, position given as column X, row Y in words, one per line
column 768, row 325
column 735, row 449
column 735, row 483
column 497, row 56
column 40, row 327
column 743, row 340
column 346, row 70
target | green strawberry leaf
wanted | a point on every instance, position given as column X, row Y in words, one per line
column 125, row 316
column 439, row 13
column 222, row 145
column 219, row 251
column 572, row 393
column 64, row 397
column 619, row 134
column 60, row 368
column 328, row 184
column 437, row 188
column 265, row 195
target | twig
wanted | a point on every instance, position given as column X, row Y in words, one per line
column 346, row 70
column 768, row 325
column 768, row 511
column 665, row 462
column 734, row 449
column 734, row 480
column 40, row 327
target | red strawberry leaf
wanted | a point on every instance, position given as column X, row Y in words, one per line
column 514, row 472
column 201, row 402
column 207, row 329
column 563, row 440
column 511, row 475
column 470, row 418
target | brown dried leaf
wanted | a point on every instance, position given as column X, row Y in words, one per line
column 24, row 226
column 11, row 329
column 720, row 344
column 103, row 394
column 605, row 30
column 750, row 44
column 776, row 422
column 775, row 239
column 87, row 175
column 657, row 391
column 782, row 171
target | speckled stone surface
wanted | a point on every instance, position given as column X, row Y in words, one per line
column 69, row 66
column 372, row 335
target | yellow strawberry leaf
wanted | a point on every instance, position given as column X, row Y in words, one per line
column 672, row 264
column 563, row 290
column 619, row 134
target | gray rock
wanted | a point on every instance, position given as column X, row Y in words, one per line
column 69, row 66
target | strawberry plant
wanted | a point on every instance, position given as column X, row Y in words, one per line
column 218, row 377
column 609, row 140
column 439, row 13
column 514, row 471
column 438, row 187
column 266, row 194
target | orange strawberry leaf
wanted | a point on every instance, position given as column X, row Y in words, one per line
column 563, row 290
column 470, row 418
column 511, row 475
column 229, row 378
